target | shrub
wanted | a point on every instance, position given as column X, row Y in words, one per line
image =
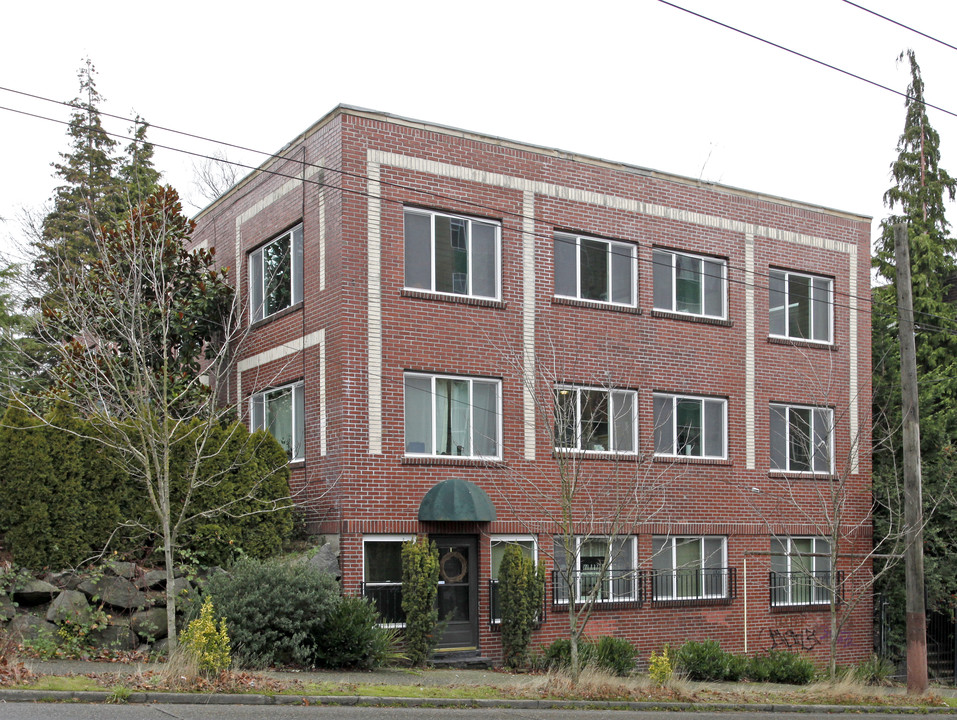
column 208, row 645
column 781, row 666
column 660, row 668
column 737, row 667
column 702, row 660
column 420, row 578
column 876, row 670
column 607, row 653
column 351, row 637
column 521, row 592
column 274, row 610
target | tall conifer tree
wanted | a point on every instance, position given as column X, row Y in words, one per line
column 917, row 198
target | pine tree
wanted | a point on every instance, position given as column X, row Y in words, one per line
column 137, row 175
column 917, row 198
column 90, row 198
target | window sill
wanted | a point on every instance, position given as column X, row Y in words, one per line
column 451, row 460
column 559, row 453
column 811, row 607
column 601, row 605
column 797, row 475
column 276, row 315
column 690, row 602
column 459, row 299
column 778, row 340
column 297, row 464
column 596, row 305
column 703, row 319
column 691, row 460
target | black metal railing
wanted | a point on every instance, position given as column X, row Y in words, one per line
column 694, row 584
column 800, row 588
column 387, row 598
column 495, row 609
column 610, row 586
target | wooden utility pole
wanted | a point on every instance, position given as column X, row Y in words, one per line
column 913, row 508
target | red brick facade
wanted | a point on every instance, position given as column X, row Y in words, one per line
column 358, row 331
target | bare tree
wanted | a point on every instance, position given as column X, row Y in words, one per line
column 214, row 176
column 137, row 340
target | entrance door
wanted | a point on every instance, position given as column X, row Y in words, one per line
column 458, row 590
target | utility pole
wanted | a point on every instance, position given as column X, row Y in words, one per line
column 913, row 508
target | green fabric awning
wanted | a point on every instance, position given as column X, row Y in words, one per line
column 456, row 500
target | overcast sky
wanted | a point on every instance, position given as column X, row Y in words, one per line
column 638, row 82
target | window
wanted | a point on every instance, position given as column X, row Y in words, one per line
column 592, row 269
column 605, row 567
column 689, row 568
column 801, row 571
column 275, row 275
column 452, row 416
column 281, row 412
column 382, row 575
column 499, row 545
column 690, row 426
column 595, row 420
column 801, row 438
column 690, row 284
column 801, row 306
column 451, row 254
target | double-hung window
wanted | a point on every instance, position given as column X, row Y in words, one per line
column 690, row 284
column 275, row 275
column 689, row 568
column 451, row 415
column 281, row 411
column 603, row 567
column 592, row 269
column 595, row 419
column 801, row 571
column 690, row 426
column 452, row 254
column 501, row 543
column 801, row 306
column 382, row 575
column 802, row 438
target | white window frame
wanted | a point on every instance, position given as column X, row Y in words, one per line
column 383, row 539
column 789, row 554
column 258, row 414
column 472, row 428
column 672, row 306
column 672, row 547
column 607, row 594
column 701, row 399
column 632, row 395
column 815, row 411
column 469, row 290
column 785, row 277
column 257, row 278
column 614, row 248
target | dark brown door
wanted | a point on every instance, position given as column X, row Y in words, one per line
column 458, row 590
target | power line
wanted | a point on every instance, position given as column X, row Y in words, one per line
column 429, row 193
column 900, row 24
column 801, row 55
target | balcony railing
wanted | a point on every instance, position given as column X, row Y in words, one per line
column 690, row 585
column 801, row 588
column 495, row 609
column 619, row 587
column 387, row 598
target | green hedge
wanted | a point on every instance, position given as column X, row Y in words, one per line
column 64, row 497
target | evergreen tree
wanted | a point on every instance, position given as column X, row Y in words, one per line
column 90, row 198
column 137, row 175
column 917, row 198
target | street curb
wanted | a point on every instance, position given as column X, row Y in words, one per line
column 99, row 697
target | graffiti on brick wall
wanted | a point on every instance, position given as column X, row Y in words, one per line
column 807, row 639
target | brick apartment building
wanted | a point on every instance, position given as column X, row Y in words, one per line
column 443, row 325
